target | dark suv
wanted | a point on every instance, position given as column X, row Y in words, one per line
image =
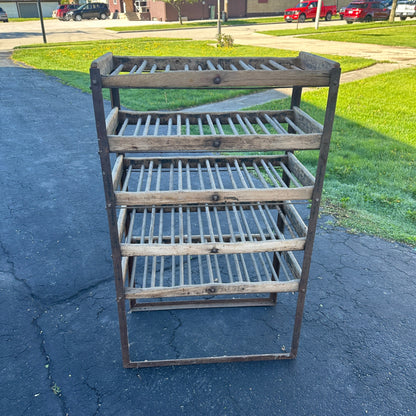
column 90, row 11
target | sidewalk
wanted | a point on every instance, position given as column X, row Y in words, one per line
column 60, row 352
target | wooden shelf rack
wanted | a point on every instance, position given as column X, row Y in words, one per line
column 210, row 209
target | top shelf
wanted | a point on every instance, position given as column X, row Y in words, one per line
column 305, row 70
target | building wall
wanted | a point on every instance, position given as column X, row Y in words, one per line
column 268, row 7
column 157, row 10
column 10, row 9
column 28, row 8
column 116, row 6
column 204, row 9
column 277, row 7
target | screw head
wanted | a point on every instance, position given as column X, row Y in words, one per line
column 217, row 80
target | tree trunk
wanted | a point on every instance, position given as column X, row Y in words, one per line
column 178, row 8
column 393, row 11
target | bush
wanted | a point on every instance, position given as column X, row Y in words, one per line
column 225, row 41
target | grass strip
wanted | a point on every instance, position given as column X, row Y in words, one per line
column 388, row 36
column 27, row 19
column 333, row 30
column 193, row 25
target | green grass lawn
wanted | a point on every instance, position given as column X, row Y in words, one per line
column 27, row 19
column 391, row 35
column 70, row 62
column 370, row 184
column 382, row 33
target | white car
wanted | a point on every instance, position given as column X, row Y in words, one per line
column 406, row 9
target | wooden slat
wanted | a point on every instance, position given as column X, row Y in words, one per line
column 305, row 62
column 104, row 63
column 201, row 304
column 178, row 63
column 198, row 239
column 295, row 219
column 247, row 142
column 124, row 268
column 165, row 161
column 209, row 196
column 117, row 70
column 219, row 79
column 306, row 122
column 111, row 121
column 275, row 124
column 192, row 117
column 207, row 248
column 296, row 128
column 123, row 127
column 211, row 360
column 277, row 65
column 301, row 173
column 141, row 67
column 117, row 171
column 310, row 61
column 121, row 222
column 292, row 263
column 213, row 289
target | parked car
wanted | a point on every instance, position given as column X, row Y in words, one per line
column 386, row 3
column 90, row 11
column 365, row 12
column 307, row 10
column 63, row 10
column 406, row 9
column 3, row 16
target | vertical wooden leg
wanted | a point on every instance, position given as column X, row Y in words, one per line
column 131, row 279
column 124, row 338
column 276, row 267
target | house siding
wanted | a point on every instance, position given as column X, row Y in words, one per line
column 159, row 10
column 277, row 7
column 269, row 8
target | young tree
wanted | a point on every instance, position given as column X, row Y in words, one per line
column 178, row 4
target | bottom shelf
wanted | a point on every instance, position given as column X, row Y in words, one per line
column 209, row 275
column 211, row 360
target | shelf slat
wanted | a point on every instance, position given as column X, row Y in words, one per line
column 208, row 197
column 213, row 289
column 294, row 244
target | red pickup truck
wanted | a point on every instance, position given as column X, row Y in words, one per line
column 307, row 10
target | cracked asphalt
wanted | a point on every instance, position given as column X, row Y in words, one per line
column 60, row 352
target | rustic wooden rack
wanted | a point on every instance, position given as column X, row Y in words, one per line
column 208, row 209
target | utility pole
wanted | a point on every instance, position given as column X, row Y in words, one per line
column 41, row 21
column 219, row 18
column 318, row 14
